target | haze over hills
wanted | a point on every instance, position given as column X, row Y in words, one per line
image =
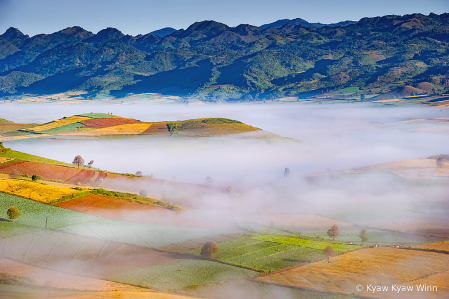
column 398, row 55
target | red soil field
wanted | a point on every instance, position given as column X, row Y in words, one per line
column 157, row 128
column 80, row 255
column 46, row 171
column 83, row 177
column 99, row 204
column 98, row 123
column 101, row 176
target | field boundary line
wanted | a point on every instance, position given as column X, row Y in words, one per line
column 426, row 250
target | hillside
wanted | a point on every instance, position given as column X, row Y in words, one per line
column 374, row 59
column 97, row 125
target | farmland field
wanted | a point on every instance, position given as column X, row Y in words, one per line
column 98, row 123
column 79, row 255
column 271, row 253
column 379, row 266
column 34, row 191
column 182, row 274
column 58, row 123
column 49, row 171
column 36, row 213
column 148, row 235
column 444, row 245
column 126, row 129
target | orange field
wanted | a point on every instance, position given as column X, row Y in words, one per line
column 376, row 266
column 98, row 204
column 438, row 246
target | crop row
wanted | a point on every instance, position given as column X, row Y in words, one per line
column 305, row 242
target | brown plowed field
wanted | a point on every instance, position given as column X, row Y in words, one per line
column 47, row 171
column 98, row 123
column 82, row 177
column 101, row 176
column 78, row 255
column 157, row 128
column 99, row 204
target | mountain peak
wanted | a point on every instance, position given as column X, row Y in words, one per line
column 12, row 34
column 106, row 35
column 163, row 32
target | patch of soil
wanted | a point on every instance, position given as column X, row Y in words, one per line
column 99, row 204
column 157, row 128
column 98, row 123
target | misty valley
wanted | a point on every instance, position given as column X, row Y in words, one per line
column 140, row 199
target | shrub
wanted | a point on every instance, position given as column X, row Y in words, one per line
column 209, row 249
column 13, row 213
column 329, row 251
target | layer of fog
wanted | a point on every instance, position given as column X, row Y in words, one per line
column 319, row 138
column 332, row 137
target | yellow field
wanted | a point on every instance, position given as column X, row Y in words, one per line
column 128, row 129
column 4, row 159
column 438, row 245
column 371, row 266
column 59, row 123
column 34, row 191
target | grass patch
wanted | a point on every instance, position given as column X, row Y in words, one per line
column 97, row 115
column 32, row 158
column 68, row 127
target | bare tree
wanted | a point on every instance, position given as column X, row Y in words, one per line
column 78, row 161
column 440, row 161
column 209, row 249
column 90, row 163
column 139, row 173
column 329, row 251
column 363, row 235
column 333, row 232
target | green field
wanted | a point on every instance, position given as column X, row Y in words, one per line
column 36, row 214
column 68, row 127
column 272, row 252
column 97, row 115
column 182, row 274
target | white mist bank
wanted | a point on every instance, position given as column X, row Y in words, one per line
column 332, row 137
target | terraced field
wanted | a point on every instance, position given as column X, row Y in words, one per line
column 58, row 123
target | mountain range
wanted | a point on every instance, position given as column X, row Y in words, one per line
column 400, row 55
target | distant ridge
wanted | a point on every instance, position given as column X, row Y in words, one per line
column 299, row 21
column 163, row 32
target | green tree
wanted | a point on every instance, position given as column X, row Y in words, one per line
column 333, row 232
column 209, row 249
column 363, row 235
column 90, row 163
column 13, row 213
column 329, row 252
